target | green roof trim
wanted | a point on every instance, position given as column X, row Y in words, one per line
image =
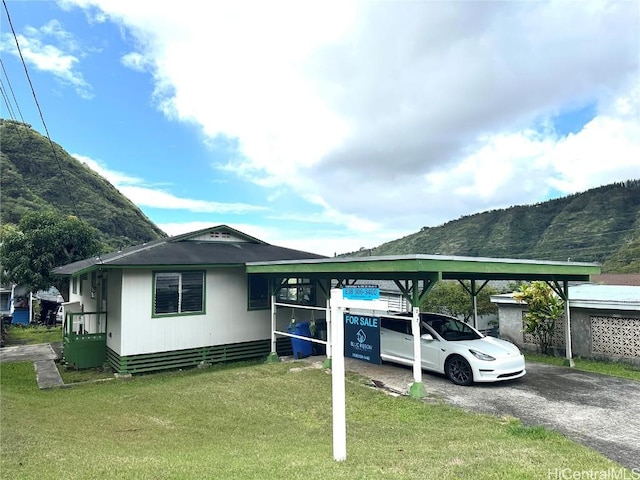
column 417, row 266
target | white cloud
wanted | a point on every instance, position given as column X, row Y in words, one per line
column 114, row 177
column 51, row 49
column 135, row 61
column 320, row 242
column 148, row 197
column 389, row 116
column 145, row 196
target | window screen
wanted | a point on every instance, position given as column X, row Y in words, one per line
column 178, row 292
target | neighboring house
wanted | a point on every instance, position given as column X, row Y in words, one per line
column 6, row 302
column 20, row 306
column 50, row 303
column 605, row 322
column 175, row 302
column 630, row 279
column 17, row 304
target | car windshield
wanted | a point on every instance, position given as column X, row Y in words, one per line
column 451, row 329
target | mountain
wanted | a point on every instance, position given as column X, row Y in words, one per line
column 37, row 174
column 599, row 225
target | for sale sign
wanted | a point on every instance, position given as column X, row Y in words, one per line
column 362, row 338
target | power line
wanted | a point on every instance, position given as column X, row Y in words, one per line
column 35, row 98
column 6, row 100
column 15, row 100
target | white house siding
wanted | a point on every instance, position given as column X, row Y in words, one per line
column 85, row 286
column 227, row 299
column 114, row 310
column 226, row 319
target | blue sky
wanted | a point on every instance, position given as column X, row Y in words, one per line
column 331, row 126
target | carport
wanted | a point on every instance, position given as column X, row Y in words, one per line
column 415, row 275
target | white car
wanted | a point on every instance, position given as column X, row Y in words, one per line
column 453, row 348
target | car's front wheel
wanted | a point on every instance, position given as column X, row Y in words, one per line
column 458, row 370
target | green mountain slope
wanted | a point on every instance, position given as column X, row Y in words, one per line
column 600, row 225
column 33, row 177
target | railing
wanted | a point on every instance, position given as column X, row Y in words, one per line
column 85, row 339
column 85, row 323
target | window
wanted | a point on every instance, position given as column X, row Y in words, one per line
column 259, row 297
column 453, row 330
column 178, row 292
column 220, row 235
column 297, row 290
column 83, row 277
column 397, row 325
column 74, row 285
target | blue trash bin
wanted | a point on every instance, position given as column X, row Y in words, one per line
column 301, row 348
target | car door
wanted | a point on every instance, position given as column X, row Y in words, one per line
column 392, row 337
column 431, row 350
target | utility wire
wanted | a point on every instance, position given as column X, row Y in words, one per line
column 15, row 100
column 6, row 100
column 35, row 98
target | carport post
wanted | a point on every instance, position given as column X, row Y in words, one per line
column 273, row 356
column 567, row 332
column 417, row 389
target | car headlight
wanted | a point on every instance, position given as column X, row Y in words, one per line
column 481, row 356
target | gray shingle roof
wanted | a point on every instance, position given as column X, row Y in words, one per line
column 183, row 251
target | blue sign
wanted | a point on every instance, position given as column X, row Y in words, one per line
column 362, row 338
column 361, row 292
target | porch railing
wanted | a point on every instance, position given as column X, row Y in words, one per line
column 85, row 339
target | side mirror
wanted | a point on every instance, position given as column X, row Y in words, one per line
column 426, row 336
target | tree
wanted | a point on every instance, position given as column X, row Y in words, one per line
column 451, row 298
column 545, row 308
column 40, row 242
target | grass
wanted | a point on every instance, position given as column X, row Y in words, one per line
column 616, row 369
column 259, row 421
column 31, row 334
column 71, row 375
column 34, row 334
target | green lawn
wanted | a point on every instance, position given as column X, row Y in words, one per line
column 259, row 421
column 32, row 334
column 616, row 369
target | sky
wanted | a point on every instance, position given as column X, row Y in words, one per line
column 330, row 126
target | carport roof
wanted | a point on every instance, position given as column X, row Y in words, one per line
column 401, row 267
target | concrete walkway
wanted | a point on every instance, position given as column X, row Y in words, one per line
column 43, row 356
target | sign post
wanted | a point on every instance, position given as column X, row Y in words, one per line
column 337, row 377
column 363, row 343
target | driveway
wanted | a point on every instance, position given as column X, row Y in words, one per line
column 598, row 411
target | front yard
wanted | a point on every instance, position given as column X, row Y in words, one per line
column 259, row 421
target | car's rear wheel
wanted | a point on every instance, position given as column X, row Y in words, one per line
column 458, row 370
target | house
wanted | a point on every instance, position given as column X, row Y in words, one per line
column 605, row 322
column 175, row 302
column 6, row 303
column 17, row 304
